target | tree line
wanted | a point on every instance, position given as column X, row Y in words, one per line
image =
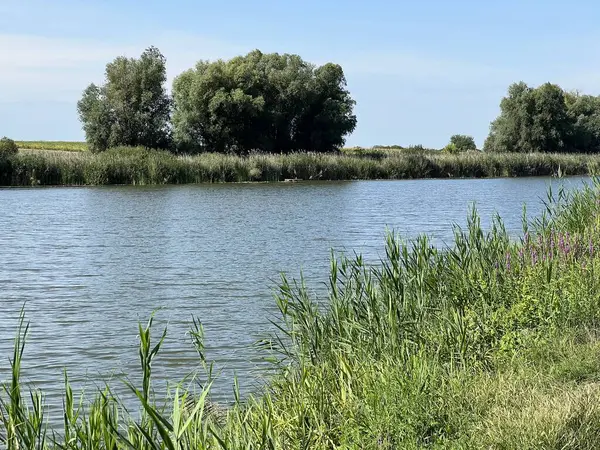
column 257, row 102
column 279, row 103
column 545, row 119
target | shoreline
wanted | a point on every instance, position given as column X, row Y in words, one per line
column 136, row 166
column 60, row 186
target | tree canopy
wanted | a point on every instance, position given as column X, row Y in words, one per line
column 461, row 143
column 132, row 107
column 545, row 119
column 266, row 102
column 8, row 148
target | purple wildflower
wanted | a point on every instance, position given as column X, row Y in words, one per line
column 561, row 244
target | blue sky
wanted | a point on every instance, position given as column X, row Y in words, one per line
column 420, row 71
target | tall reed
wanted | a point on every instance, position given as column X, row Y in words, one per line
column 139, row 166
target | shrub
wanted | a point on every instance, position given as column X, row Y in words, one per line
column 8, row 147
column 451, row 149
column 463, row 142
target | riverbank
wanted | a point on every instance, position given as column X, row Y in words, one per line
column 141, row 167
column 491, row 343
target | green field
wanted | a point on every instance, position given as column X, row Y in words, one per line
column 68, row 146
column 74, row 146
column 491, row 343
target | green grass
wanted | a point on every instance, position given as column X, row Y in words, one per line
column 69, row 146
column 138, row 166
column 489, row 343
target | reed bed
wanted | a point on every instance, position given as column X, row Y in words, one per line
column 489, row 343
column 143, row 167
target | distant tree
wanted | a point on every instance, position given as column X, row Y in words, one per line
column 531, row 120
column 551, row 126
column 132, row 107
column 97, row 118
column 506, row 132
column 327, row 114
column 463, row 142
column 8, row 147
column 265, row 102
column 584, row 113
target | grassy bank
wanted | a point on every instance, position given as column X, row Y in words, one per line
column 137, row 166
column 490, row 343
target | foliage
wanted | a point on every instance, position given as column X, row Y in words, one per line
column 132, row 107
column 8, row 147
column 463, row 143
column 545, row 119
column 487, row 343
column 584, row 113
column 263, row 102
column 451, row 148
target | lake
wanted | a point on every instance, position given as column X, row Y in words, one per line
column 89, row 263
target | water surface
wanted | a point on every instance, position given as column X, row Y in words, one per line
column 89, row 263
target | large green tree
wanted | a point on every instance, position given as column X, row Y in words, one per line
column 545, row 119
column 132, row 107
column 584, row 113
column 265, row 102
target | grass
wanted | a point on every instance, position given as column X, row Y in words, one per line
column 489, row 343
column 138, row 166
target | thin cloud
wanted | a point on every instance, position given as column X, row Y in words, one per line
column 58, row 69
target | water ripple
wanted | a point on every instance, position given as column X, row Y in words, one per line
column 89, row 263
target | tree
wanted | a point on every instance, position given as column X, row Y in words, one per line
column 97, row 118
column 584, row 113
column 266, row 102
column 463, row 142
column 132, row 107
column 8, row 148
column 507, row 131
column 328, row 112
column 551, row 127
column 531, row 120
